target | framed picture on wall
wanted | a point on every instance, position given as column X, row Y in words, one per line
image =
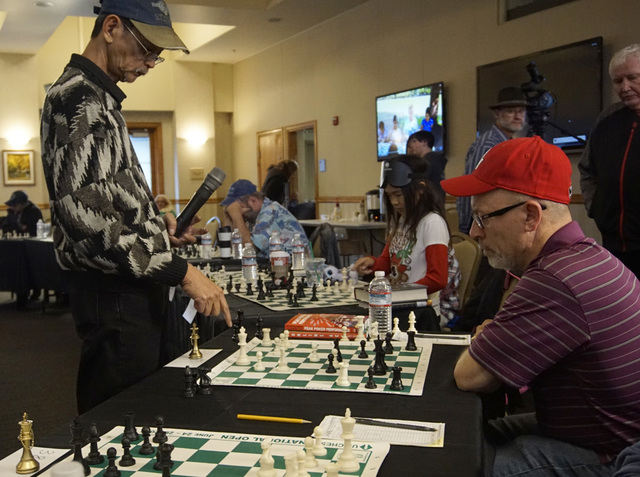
column 18, row 168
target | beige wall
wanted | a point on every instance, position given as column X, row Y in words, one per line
column 340, row 67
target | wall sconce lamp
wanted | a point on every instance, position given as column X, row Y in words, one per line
column 17, row 139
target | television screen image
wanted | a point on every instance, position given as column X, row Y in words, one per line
column 571, row 77
column 398, row 115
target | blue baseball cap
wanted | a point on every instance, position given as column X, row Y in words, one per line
column 150, row 17
column 238, row 189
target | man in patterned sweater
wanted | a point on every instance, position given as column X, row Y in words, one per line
column 107, row 231
column 569, row 329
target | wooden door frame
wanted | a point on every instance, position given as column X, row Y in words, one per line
column 157, row 157
column 289, row 131
column 259, row 135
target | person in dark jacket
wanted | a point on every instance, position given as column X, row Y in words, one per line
column 23, row 215
column 277, row 184
column 610, row 164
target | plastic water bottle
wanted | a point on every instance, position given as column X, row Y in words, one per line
column 275, row 243
column 207, row 242
column 297, row 252
column 40, row 229
column 249, row 263
column 236, row 244
column 380, row 303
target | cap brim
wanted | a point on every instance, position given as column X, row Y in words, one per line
column 465, row 186
column 161, row 36
column 510, row 104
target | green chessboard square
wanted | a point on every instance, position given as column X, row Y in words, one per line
column 208, row 457
column 231, row 374
column 229, row 471
column 248, row 448
column 277, row 375
column 246, row 381
column 305, row 371
column 295, row 384
column 325, row 377
column 189, row 442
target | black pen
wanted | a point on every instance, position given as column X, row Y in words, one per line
column 398, row 425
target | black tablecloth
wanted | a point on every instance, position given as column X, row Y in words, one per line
column 161, row 394
column 27, row 264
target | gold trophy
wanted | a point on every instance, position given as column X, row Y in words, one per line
column 28, row 463
column 195, row 352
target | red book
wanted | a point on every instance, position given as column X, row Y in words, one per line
column 323, row 323
column 319, row 335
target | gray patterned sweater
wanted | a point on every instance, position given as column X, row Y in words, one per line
column 103, row 213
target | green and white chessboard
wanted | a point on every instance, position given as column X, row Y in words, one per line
column 327, row 296
column 223, row 454
column 304, row 374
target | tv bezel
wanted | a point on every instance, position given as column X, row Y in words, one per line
column 442, row 107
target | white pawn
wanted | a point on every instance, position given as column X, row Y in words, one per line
column 310, row 461
column 266, row 339
column 313, row 357
column 291, row 465
column 318, row 449
column 287, row 345
column 331, row 469
column 301, row 460
column 343, row 376
column 336, row 288
column 266, row 461
column 344, row 336
column 282, row 363
column 259, row 366
column 396, row 326
column 360, row 327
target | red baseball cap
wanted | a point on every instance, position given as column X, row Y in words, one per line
column 527, row 165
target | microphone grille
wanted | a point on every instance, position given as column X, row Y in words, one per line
column 215, row 178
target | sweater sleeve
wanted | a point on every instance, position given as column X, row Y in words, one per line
column 437, row 256
column 383, row 262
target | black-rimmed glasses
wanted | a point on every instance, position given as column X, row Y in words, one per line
column 147, row 54
column 479, row 219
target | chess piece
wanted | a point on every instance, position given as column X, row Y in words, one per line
column 282, row 363
column 412, row 322
column 236, row 329
column 266, row 460
column 249, row 289
column 396, row 326
column 94, row 457
column 363, row 353
column 313, row 357
column 129, row 428
column 396, row 382
column 310, row 461
column 243, row 358
column 291, row 465
column 204, row 381
column 189, row 384
column 347, row 461
column 161, row 436
column 266, row 339
column 360, row 327
column 371, row 384
column 344, row 336
column 331, row 469
column 127, row 459
column 164, row 457
column 318, row 449
column 343, row 376
column 259, row 366
column 330, row 368
column 112, row 470
column 379, row 366
column 336, row 346
column 259, row 332
column 195, row 350
column 146, row 448
column 27, row 464
column 373, row 330
column 77, row 442
column 295, row 303
column 388, row 347
column 411, row 341
column 302, row 457
column 314, row 293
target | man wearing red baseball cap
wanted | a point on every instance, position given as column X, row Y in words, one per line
column 569, row 329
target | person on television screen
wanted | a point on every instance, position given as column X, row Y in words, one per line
column 427, row 122
column 568, row 330
column 420, row 144
column 610, row 164
column 411, row 124
column 509, row 117
column 383, row 134
column 417, row 249
column 396, row 137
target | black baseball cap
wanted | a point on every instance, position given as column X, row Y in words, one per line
column 150, row 17
column 398, row 174
column 18, row 197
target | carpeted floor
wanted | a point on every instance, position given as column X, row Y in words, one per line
column 39, row 360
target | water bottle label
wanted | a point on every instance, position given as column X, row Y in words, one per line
column 380, row 299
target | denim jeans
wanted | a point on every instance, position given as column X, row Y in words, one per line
column 516, row 448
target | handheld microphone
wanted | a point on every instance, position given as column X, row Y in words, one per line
column 210, row 184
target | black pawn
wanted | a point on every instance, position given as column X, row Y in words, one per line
column 331, row 369
column 112, row 470
column 230, row 285
column 411, row 341
column 363, row 353
column 127, row 459
column 388, row 347
column 270, row 290
column 295, row 303
column 189, row 384
column 371, row 384
column 240, row 319
column 290, row 298
column 336, row 346
column 396, row 382
column 160, row 436
column 261, row 295
column 237, row 286
column 300, row 290
column 146, row 448
column 259, row 332
column 129, row 427
column 94, row 457
column 314, row 293
column 249, row 289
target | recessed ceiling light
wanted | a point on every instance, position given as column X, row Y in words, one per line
column 43, row 4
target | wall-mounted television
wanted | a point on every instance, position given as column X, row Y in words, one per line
column 400, row 114
column 572, row 77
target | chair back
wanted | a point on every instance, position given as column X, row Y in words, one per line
column 469, row 254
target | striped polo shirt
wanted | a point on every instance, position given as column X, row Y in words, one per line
column 571, row 331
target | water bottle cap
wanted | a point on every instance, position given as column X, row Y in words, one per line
column 379, row 273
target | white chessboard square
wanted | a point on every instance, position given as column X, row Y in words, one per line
column 219, row 445
column 240, row 459
column 193, row 469
column 269, row 382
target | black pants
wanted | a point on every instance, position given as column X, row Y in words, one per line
column 120, row 322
